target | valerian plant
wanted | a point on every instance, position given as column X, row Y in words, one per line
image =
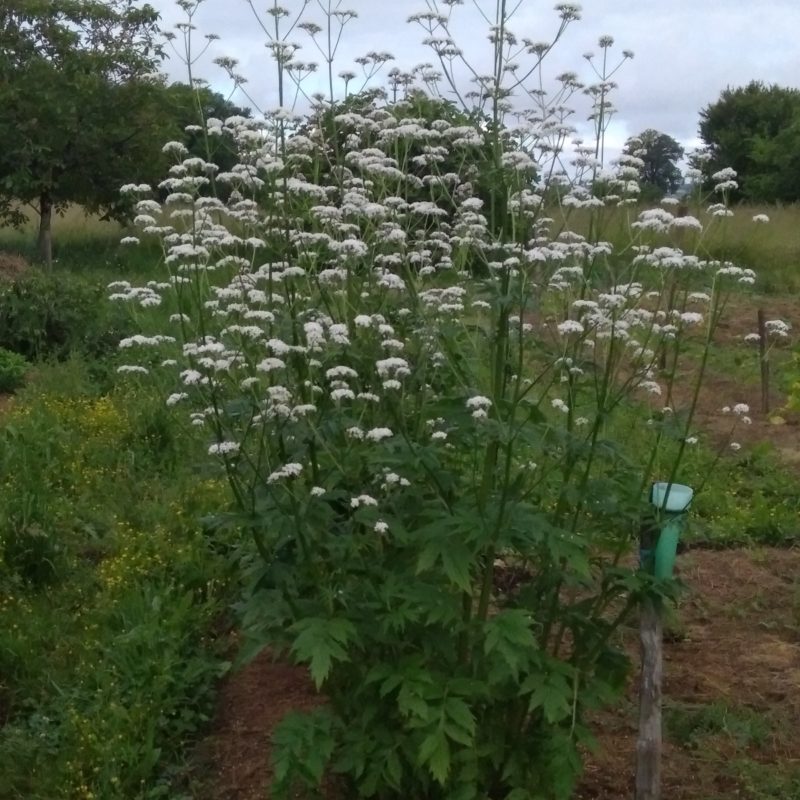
column 418, row 382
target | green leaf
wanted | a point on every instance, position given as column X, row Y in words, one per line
column 394, row 769
column 552, row 693
column 303, row 745
column 455, row 558
column 320, row 642
column 434, row 752
column 456, row 561
column 459, row 712
column 509, row 635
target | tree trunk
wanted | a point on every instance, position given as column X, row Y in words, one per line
column 45, row 241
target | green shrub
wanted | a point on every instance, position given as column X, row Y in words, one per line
column 12, row 370
column 45, row 314
column 110, row 591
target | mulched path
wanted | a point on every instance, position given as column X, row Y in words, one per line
column 738, row 643
column 251, row 702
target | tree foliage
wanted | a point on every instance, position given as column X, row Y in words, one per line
column 755, row 130
column 659, row 154
column 79, row 102
column 187, row 108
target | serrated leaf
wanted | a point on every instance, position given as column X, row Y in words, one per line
column 454, row 557
column 320, row 642
column 456, row 563
column 411, row 704
column 552, row 693
column 509, row 635
column 460, row 713
column 394, row 770
column 434, row 752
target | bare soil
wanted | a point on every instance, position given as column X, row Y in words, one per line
column 737, row 642
column 12, row 265
column 250, row 704
column 780, row 426
column 738, row 646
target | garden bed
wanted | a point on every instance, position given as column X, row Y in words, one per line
column 732, row 690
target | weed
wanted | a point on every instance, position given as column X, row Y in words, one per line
column 12, row 370
column 691, row 725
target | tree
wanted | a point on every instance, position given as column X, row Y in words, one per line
column 755, row 129
column 78, row 104
column 659, row 154
column 190, row 107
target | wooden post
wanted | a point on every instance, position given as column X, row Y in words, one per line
column 763, row 358
column 648, row 744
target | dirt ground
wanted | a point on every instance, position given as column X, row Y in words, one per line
column 739, row 382
column 734, row 644
column 250, row 704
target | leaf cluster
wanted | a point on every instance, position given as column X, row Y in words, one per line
column 755, row 130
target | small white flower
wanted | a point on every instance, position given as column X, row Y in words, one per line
column 691, row 440
column 438, row 436
column 379, row 434
column 132, row 369
column 290, row 470
column 479, row 402
column 317, row 491
column 651, row 386
column 223, row 449
column 381, row 527
column 270, row 364
column 355, row 433
column 741, row 409
column 191, row 377
column 570, row 326
column 558, row 404
column 176, row 397
column 340, row 373
column 777, row 327
column 760, row 218
column 363, row 500
column 735, row 446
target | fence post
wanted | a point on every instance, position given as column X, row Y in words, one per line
column 651, row 637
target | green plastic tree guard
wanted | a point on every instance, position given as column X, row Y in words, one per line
column 672, row 500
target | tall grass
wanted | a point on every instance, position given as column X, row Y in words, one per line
column 80, row 241
column 771, row 249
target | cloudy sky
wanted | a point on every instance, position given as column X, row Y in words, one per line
column 686, row 51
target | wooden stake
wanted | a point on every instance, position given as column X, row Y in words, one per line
column 764, row 361
column 648, row 744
